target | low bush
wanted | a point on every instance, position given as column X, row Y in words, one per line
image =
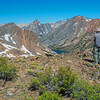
column 50, row 96
column 62, row 81
column 84, row 91
column 7, row 70
column 65, row 80
column 28, row 98
column 34, row 69
column 42, row 81
column 65, row 83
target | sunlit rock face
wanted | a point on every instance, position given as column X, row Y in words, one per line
column 66, row 35
column 17, row 42
column 76, row 34
column 42, row 29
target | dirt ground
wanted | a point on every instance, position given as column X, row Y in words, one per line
column 18, row 88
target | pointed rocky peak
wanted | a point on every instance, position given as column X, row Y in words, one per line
column 93, row 24
column 78, row 17
column 10, row 28
column 96, row 20
column 9, row 24
column 35, row 22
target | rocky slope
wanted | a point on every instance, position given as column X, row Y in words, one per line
column 42, row 29
column 18, row 89
column 15, row 42
column 73, row 34
column 76, row 34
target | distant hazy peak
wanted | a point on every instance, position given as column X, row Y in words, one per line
column 36, row 21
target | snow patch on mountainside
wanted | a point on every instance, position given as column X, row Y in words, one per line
column 13, row 41
column 24, row 55
column 10, row 56
column 4, row 52
column 9, row 38
column 8, row 46
column 88, row 20
column 38, row 53
column 26, row 51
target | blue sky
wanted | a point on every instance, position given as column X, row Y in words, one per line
column 26, row 11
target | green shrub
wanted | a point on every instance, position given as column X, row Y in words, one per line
column 34, row 69
column 62, row 81
column 42, row 81
column 96, row 95
column 7, row 70
column 84, row 91
column 28, row 98
column 65, row 80
column 50, row 96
